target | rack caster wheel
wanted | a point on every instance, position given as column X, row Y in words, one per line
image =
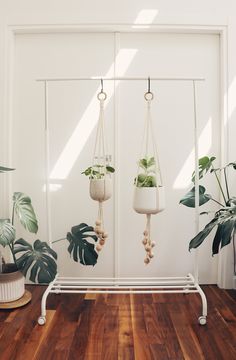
column 202, row 320
column 41, row 320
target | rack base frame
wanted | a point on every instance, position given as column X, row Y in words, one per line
column 155, row 285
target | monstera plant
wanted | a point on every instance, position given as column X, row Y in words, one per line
column 224, row 219
column 79, row 247
column 38, row 259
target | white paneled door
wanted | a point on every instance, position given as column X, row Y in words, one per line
column 68, row 139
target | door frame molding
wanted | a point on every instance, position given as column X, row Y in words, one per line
column 225, row 274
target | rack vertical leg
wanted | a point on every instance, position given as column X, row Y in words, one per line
column 42, row 318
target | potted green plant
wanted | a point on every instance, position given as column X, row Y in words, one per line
column 224, row 219
column 38, row 259
column 100, row 181
column 149, row 197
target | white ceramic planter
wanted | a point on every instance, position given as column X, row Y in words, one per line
column 12, row 286
column 101, row 189
column 149, row 200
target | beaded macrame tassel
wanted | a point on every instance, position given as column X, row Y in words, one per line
column 148, row 244
column 99, row 228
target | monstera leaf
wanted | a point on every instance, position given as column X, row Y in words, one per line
column 225, row 220
column 79, row 247
column 204, row 165
column 7, row 232
column 25, row 211
column 189, row 198
column 39, row 259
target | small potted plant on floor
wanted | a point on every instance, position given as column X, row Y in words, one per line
column 100, row 181
column 148, row 195
column 224, row 219
column 37, row 259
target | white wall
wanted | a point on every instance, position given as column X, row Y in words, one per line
column 166, row 12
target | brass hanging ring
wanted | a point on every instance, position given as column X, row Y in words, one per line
column 102, row 96
column 148, row 96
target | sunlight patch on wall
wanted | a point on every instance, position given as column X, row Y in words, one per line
column 52, row 187
column 183, row 179
column 232, row 97
column 89, row 119
column 145, row 17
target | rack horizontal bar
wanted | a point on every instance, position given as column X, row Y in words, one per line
column 98, row 78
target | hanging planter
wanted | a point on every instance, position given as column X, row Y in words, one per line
column 149, row 192
column 99, row 173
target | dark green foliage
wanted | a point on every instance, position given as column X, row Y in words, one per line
column 39, row 259
column 79, row 247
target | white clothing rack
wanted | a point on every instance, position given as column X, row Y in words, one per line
column 154, row 285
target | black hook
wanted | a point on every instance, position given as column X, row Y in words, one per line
column 101, row 85
column 149, row 85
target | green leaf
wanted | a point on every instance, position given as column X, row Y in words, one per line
column 223, row 235
column 110, row 169
column 24, row 210
column 39, row 259
column 233, row 164
column 189, row 198
column 151, row 162
column 79, row 247
column 4, row 169
column 201, row 236
column 204, row 165
column 7, row 232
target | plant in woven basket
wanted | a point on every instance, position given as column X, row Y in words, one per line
column 224, row 219
column 38, row 259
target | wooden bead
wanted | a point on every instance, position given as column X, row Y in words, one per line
column 153, row 243
column 150, row 254
column 101, row 231
column 98, row 222
column 97, row 229
column 102, row 241
column 105, row 235
column 146, row 260
column 144, row 241
column 145, row 233
column 99, row 247
column 147, row 247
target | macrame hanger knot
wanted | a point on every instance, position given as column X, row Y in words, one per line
column 102, row 95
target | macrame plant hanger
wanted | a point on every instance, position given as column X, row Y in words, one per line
column 100, row 180
column 149, row 196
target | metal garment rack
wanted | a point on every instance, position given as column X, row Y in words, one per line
column 117, row 285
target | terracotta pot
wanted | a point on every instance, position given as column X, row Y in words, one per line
column 100, row 189
column 149, row 200
column 12, row 284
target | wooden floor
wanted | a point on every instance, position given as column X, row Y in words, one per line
column 162, row 326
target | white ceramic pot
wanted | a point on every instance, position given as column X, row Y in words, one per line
column 100, row 189
column 12, row 286
column 149, row 200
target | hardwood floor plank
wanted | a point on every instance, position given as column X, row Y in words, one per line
column 120, row 327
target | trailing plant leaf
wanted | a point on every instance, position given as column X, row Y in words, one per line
column 189, row 198
column 5, row 169
column 79, row 247
column 24, row 210
column 39, row 259
column 7, row 232
column 204, row 165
